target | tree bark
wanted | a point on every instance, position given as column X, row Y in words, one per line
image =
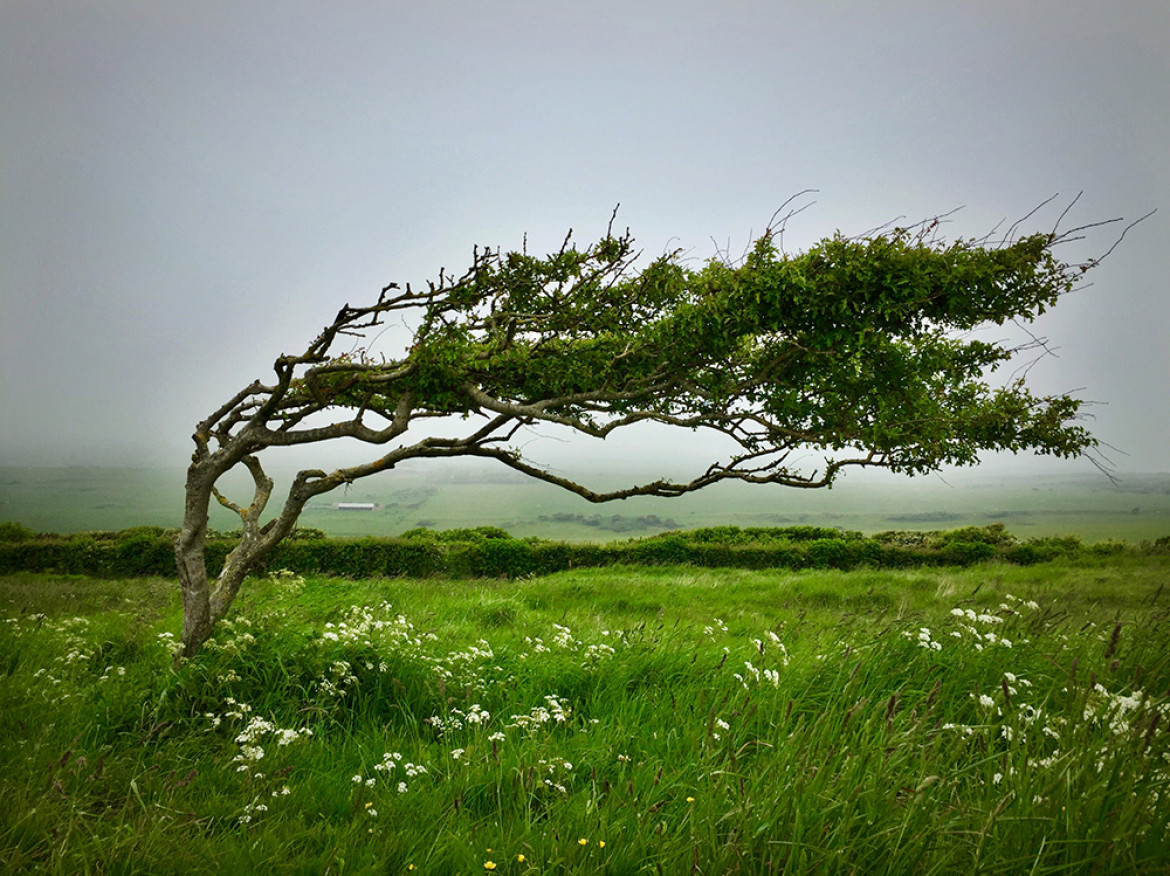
column 192, row 564
column 203, row 604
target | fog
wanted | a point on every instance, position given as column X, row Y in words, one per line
column 189, row 190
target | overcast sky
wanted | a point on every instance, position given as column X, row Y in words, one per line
column 189, row 189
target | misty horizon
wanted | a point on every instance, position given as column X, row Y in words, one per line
column 189, row 192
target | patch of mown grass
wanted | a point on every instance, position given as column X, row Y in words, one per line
column 992, row 718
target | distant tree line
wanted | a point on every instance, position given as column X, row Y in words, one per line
column 614, row 522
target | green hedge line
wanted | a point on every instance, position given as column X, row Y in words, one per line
column 489, row 552
column 155, row 555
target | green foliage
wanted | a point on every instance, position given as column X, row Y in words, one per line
column 474, row 535
column 830, row 553
column 857, row 344
column 734, row 535
column 15, row 532
column 1037, row 550
column 307, row 533
column 851, row 337
column 501, row 558
column 358, row 558
column 966, row 553
column 994, row 535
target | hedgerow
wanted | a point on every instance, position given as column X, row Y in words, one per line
column 491, row 552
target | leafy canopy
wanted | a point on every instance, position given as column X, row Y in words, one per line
column 856, row 345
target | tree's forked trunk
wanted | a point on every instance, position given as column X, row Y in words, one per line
column 203, row 603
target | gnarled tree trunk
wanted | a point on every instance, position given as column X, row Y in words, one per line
column 203, row 603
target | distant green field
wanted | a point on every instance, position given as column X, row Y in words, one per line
column 1137, row 507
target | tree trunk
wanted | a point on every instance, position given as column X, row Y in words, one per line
column 204, row 604
column 192, row 565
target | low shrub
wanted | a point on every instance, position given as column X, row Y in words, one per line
column 10, row 532
column 966, row 553
column 501, row 558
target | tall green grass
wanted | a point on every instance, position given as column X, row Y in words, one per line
column 993, row 719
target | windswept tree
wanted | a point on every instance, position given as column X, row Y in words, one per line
column 859, row 349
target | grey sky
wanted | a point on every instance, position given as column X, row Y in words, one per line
column 188, row 189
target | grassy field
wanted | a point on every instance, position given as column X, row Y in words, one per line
column 1137, row 507
column 994, row 719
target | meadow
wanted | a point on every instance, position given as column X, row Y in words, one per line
column 662, row 720
column 453, row 496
